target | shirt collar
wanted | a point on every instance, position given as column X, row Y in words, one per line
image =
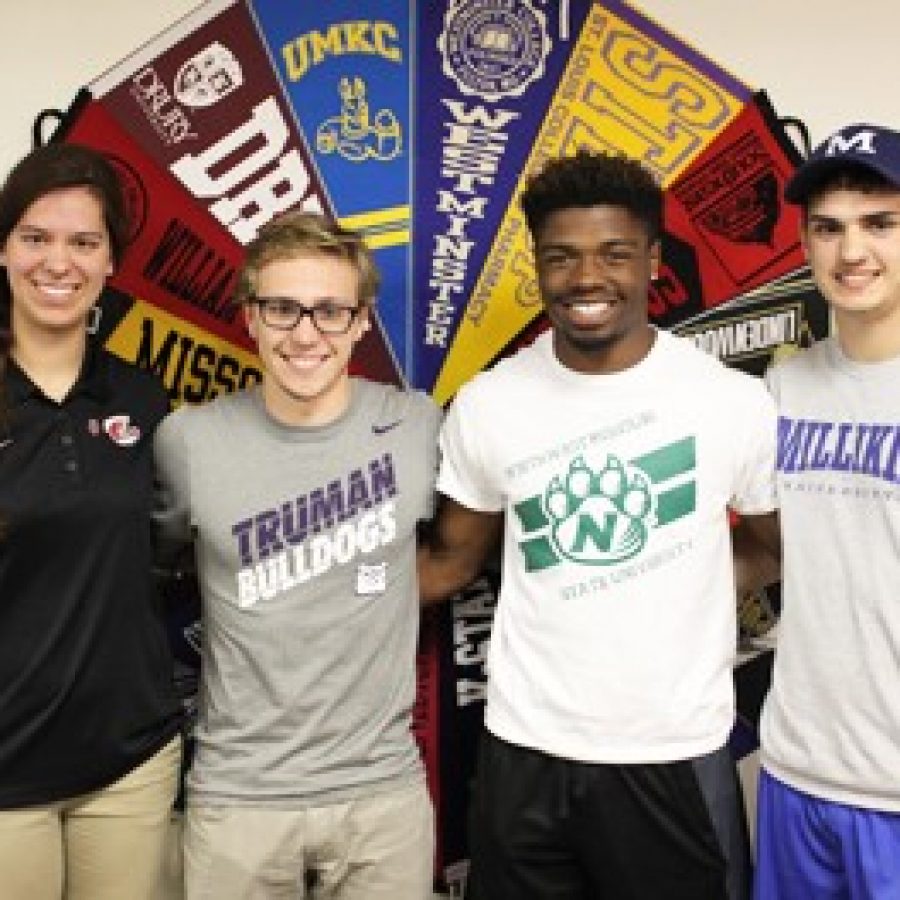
column 93, row 380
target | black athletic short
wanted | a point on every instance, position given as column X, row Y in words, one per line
column 545, row 828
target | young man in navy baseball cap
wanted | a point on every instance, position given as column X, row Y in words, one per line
column 829, row 800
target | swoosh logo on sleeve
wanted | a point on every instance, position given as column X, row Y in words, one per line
column 383, row 429
column 5, row 443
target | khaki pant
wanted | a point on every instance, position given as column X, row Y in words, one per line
column 106, row 845
column 377, row 848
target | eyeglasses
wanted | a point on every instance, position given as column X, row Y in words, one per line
column 285, row 313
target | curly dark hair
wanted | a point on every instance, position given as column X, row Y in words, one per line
column 593, row 179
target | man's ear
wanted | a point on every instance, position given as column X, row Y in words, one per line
column 804, row 235
column 655, row 259
column 363, row 321
column 250, row 323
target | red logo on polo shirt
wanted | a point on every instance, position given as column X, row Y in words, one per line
column 120, row 430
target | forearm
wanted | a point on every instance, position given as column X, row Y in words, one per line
column 757, row 553
column 441, row 575
column 453, row 550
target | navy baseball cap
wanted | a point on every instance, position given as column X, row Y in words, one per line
column 867, row 146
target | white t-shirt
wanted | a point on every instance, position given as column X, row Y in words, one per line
column 616, row 627
column 831, row 722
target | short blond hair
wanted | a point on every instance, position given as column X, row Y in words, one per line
column 296, row 233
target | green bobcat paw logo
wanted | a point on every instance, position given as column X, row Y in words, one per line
column 602, row 516
column 598, row 518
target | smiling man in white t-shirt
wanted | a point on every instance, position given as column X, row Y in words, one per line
column 608, row 453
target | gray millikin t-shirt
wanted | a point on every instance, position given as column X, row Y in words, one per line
column 305, row 546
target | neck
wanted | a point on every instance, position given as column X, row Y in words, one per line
column 865, row 339
column 52, row 361
column 306, row 411
column 617, row 356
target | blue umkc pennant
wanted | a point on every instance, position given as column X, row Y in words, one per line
column 346, row 68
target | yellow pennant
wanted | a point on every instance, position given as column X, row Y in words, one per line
column 194, row 365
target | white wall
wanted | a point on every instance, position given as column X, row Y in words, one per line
column 51, row 48
column 829, row 62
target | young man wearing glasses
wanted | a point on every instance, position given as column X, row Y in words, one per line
column 303, row 496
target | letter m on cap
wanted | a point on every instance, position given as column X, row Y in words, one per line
column 857, row 142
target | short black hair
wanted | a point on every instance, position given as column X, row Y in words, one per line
column 852, row 177
column 593, row 179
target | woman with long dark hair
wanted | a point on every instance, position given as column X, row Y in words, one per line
column 89, row 720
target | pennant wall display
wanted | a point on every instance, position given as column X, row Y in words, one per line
column 416, row 124
column 346, row 68
column 205, row 104
column 487, row 75
column 627, row 86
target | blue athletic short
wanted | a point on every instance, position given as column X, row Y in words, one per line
column 812, row 849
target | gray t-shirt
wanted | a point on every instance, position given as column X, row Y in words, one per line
column 305, row 546
column 831, row 722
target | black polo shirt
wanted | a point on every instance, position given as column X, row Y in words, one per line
column 86, row 685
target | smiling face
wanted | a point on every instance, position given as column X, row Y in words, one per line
column 305, row 373
column 57, row 258
column 594, row 268
column 852, row 241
